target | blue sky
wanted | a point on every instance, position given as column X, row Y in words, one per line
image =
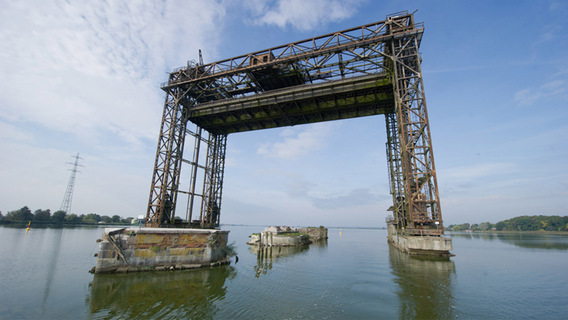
column 84, row 77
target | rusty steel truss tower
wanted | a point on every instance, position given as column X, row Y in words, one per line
column 368, row 70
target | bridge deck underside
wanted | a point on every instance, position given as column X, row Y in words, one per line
column 351, row 98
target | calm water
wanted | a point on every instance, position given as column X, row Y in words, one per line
column 354, row 275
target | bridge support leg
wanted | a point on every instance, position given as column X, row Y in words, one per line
column 411, row 160
column 213, row 180
column 167, row 167
column 394, row 162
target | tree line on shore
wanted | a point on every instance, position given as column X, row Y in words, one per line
column 522, row 223
column 24, row 214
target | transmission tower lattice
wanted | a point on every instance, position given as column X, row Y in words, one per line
column 68, row 198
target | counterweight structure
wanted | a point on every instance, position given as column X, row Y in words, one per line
column 368, row 70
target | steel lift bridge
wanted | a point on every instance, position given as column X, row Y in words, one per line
column 363, row 71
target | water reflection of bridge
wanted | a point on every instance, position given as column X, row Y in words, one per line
column 425, row 285
column 181, row 294
column 266, row 256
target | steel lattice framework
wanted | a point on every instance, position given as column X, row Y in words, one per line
column 368, row 70
column 68, row 197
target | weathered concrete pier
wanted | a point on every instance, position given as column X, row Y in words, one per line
column 157, row 249
column 284, row 236
column 430, row 245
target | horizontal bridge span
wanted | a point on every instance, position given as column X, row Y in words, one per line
column 344, row 99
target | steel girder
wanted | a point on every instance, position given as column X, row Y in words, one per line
column 367, row 70
column 342, row 99
column 345, row 54
column 412, row 172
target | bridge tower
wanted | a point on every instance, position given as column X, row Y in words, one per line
column 363, row 71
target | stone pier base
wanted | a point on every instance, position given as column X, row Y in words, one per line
column 420, row 245
column 147, row 249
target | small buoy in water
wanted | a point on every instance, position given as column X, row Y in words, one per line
column 339, row 230
column 28, row 228
column 236, row 259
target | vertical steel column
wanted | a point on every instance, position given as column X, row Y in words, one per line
column 396, row 185
column 193, row 178
column 422, row 203
column 213, row 180
column 165, row 180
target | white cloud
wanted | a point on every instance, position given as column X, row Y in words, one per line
column 82, row 66
column 299, row 188
column 527, row 97
column 311, row 139
column 84, row 76
column 557, row 6
column 230, row 162
column 300, row 14
column 355, row 198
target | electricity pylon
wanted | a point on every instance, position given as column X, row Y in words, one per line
column 68, row 198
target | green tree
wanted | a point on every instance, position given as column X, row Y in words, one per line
column 106, row 219
column 72, row 218
column 42, row 215
column 460, row 227
column 58, row 216
column 485, row 226
column 127, row 220
column 23, row 214
column 115, row 219
column 92, row 218
column 500, row 226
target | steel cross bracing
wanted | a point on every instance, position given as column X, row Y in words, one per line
column 412, row 171
column 367, row 70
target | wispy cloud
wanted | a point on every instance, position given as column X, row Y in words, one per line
column 300, row 14
column 297, row 144
column 82, row 66
column 527, row 97
column 355, row 198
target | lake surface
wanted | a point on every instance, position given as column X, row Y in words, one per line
column 355, row 275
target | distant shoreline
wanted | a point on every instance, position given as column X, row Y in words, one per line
column 52, row 224
column 565, row 233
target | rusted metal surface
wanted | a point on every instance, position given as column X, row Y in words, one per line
column 368, row 70
column 412, row 171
